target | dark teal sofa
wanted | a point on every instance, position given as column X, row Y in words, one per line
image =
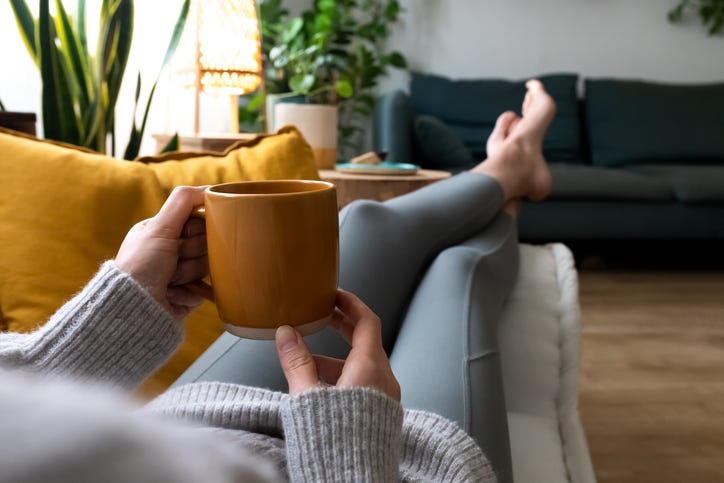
column 630, row 159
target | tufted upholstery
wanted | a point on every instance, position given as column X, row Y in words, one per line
column 539, row 337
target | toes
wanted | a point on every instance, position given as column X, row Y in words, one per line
column 534, row 85
column 504, row 123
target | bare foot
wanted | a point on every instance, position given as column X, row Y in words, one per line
column 500, row 132
column 517, row 162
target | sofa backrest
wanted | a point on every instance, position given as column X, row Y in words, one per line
column 444, row 123
column 470, row 108
column 636, row 122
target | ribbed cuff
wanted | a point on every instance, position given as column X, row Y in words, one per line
column 436, row 449
column 342, row 435
column 223, row 405
column 112, row 331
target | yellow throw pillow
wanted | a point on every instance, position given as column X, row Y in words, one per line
column 65, row 210
column 275, row 156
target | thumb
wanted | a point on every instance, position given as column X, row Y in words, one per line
column 297, row 363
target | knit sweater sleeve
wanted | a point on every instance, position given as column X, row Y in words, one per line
column 113, row 330
column 342, row 435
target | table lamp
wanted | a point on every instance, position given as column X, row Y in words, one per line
column 227, row 53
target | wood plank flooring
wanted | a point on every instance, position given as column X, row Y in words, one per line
column 652, row 388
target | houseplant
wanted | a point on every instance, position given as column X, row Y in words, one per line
column 80, row 87
column 711, row 13
column 331, row 54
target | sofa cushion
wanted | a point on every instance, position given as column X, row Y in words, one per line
column 66, row 209
column 440, row 146
column 591, row 183
column 690, row 183
column 470, row 107
column 644, row 122
column 274, row 156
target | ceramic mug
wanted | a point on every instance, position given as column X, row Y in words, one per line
column 273, row 250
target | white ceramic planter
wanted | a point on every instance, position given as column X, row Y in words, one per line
column 318, row 125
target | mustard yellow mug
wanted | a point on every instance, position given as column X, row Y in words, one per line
column 273, row 251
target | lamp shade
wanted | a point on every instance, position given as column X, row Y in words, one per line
column 229, row 51
column 220, row 51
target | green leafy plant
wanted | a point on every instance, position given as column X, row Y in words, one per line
column 333, row 53
column 309, row 54
column 711, row 13
column 79, row 87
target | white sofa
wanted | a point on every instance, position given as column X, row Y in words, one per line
column 539, row 337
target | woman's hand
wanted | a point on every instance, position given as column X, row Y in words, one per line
column 166, row 252
column 366, row 365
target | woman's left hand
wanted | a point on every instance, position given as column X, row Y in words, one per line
column 166, row 252
column 366, row 365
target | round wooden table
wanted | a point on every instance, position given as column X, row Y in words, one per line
column 378, row 187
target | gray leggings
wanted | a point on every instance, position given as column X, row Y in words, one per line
column 436, row 265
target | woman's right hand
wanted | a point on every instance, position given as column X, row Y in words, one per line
column 366, row 365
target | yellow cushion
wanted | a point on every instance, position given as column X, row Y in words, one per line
column 64, row 210
column 274, row 156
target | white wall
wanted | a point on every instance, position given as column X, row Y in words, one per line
column 522, row 38
column 457, row 38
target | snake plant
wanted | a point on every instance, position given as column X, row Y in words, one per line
column 80, row 87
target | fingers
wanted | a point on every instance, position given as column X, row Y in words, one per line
column 296, row 361
column 183, row 297
column 189, row 270
column 172, row 217
column 193, row 247
column 328, row 368
column 341, row 323
column 194, row 227
column 367, row 333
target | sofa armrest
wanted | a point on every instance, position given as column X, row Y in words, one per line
column 392, row 125
column 539, row 337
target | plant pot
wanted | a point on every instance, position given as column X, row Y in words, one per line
column 271, row 102
column 318, row 125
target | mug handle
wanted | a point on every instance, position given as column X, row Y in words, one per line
column 199, row 287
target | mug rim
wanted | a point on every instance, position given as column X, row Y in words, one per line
column 323, row 187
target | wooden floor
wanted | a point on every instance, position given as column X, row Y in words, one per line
column 652, row 388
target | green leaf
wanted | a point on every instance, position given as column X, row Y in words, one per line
column 325, row 4
column 292, row 29
column 256, row 102
column 172, row 144
column 73, row 56
column 26, row 25
column 80, row 27
column 344, row 88
column 392, row 11
column 395, row 59
column 60, row 121
column 2, row 106
column 177, row 32
column 116, row 49
column 301, row 83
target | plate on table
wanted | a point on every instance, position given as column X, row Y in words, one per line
column 381, row 168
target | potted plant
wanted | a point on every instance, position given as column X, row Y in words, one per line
column 330, row 58
column 710, row 12
column 80, row 87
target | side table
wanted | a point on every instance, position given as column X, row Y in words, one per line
column 377, row 186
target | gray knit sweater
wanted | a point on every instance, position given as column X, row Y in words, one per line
column 57, row 426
